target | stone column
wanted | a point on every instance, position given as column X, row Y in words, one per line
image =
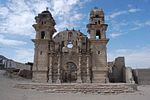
column 88, row 72
column 79, row 71
column 50, row 69
column 58, row 68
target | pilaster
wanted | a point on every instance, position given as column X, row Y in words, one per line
column 88, row 72
column 79, row 70
column 50, row 69
column 58, row 66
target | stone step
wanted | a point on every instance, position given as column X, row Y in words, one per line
column 83, row 88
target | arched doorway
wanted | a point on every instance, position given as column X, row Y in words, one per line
column 69, row 73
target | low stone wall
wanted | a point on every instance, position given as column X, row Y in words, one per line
column 113, row 88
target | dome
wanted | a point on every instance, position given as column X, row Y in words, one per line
column 46, row 12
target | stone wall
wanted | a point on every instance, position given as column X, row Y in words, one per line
column 142, row 76
column 17, row 65
column 128, row 75
column 116, row 73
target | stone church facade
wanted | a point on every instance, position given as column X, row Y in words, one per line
column 70, row 56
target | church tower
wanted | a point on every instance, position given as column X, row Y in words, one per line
column 98, row 41
column 43, row 42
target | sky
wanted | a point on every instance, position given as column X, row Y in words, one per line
column 128, row 26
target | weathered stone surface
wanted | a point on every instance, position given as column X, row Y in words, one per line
column 142, row 76
column 25, row 73
column 116, row 70
column 82, row 88
column 70, row 56
column 128, row 75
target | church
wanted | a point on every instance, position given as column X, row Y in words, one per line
column 70, row 56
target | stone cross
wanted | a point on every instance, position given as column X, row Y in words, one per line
column 46, row 8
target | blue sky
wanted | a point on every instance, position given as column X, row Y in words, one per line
column 128, row 26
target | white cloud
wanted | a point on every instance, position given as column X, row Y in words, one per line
column 10, row 42
column 17, row 16
column 123, row 12
column 133, row 10
column 17, row 19
column 24, row 55
column 136, row 58
column 118, row 13
column 119, row 28
column 3, row 12
column 138, row 25
column 116, row 28
column 147, row 23
column 114, row 35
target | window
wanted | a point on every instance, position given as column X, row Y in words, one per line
column 62, row 44
column 99, row 22
column 98, row 35
column 51, row 35
column 42, row 35
column 40, row 52
column 97, row 16
column 43, row 22
column 69, row 34
column 83, row 43
column 76, row 42
column 70, row 45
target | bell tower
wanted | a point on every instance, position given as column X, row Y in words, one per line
column 98, row 41
column 43, row 42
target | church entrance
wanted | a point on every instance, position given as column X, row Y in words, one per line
column 69, row 73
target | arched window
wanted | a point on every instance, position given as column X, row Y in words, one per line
column 98, row 35
column 42, row 35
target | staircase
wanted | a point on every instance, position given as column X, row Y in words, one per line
column 110, row 88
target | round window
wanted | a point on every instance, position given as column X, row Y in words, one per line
column 70, row 45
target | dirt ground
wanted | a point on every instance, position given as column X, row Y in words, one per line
column 7, row 92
